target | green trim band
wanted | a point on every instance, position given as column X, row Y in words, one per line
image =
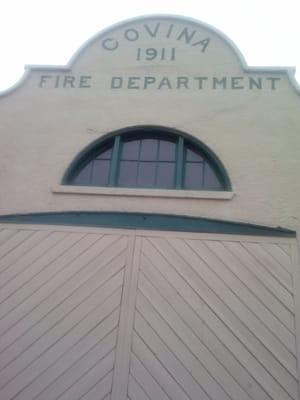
column 146, row 221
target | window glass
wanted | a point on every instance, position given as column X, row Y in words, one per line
column 211, row 181
column 165, row 175
column 100, row 172
column 166, row 151
column 105, row 155
column 192, row 155
column 84, row 176
column 146, row 174
column 150, row 161
column 149, row 148
column 128, row 173
column 193, row 176
column 130, row 150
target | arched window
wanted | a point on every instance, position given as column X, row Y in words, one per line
column 148, row 157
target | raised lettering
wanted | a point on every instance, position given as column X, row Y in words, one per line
column 69, row 80
column 257, row 83
column 149, row 80
column 132, row 82
column 44, row 79
column 154, row 32
column 165, row 82
column 170, row 30
column 235, row 82
column 110, row 44
column 151, row 53
column 204, row 43
column 116, row 82
column 57, row 79
column 200, row 80
column 187, row 36
column 173, row 54
column 222, row 82
column 273, row 82
column 84, row 81
column 131, row 34
column 182, row 81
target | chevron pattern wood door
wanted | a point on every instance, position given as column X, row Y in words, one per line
column 60, row 307
column 97, row 314
column 214, row 320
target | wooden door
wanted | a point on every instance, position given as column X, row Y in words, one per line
column 92, row 313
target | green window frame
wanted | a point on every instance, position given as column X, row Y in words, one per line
column 189, row 165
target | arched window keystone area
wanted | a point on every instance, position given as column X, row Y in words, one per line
column 148, row 157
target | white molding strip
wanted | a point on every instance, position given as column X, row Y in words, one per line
column 137, row 192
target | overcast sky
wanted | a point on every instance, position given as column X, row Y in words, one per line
column 267, row 32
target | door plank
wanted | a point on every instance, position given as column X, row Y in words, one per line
column 92, row 380
column 225, row 294
column 270, row 264
column 13, row 241
column 267, row 296
column 195, row 285
column 283, row 258
column 165, row 379
column 180, row 362
column 45, row 314
column 195, row 322
column 5, row 234
column 147, row 382
column 100, row 390
column 187, row 347
column 67, row 373
column 212, row 255
column 135, row 392
column 12, row 257
column 18, row 283
column 48, row 351
column 267, row 279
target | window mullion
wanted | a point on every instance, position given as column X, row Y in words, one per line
column 193, row 168
column 156, row 163
column 112, row 181
column 179, row 163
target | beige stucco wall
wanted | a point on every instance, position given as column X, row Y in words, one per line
column 255, row 132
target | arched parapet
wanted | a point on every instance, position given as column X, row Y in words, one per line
column 189, row 55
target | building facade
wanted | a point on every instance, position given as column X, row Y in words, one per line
column 150, row 221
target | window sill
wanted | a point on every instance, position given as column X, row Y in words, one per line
column 138, row 192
